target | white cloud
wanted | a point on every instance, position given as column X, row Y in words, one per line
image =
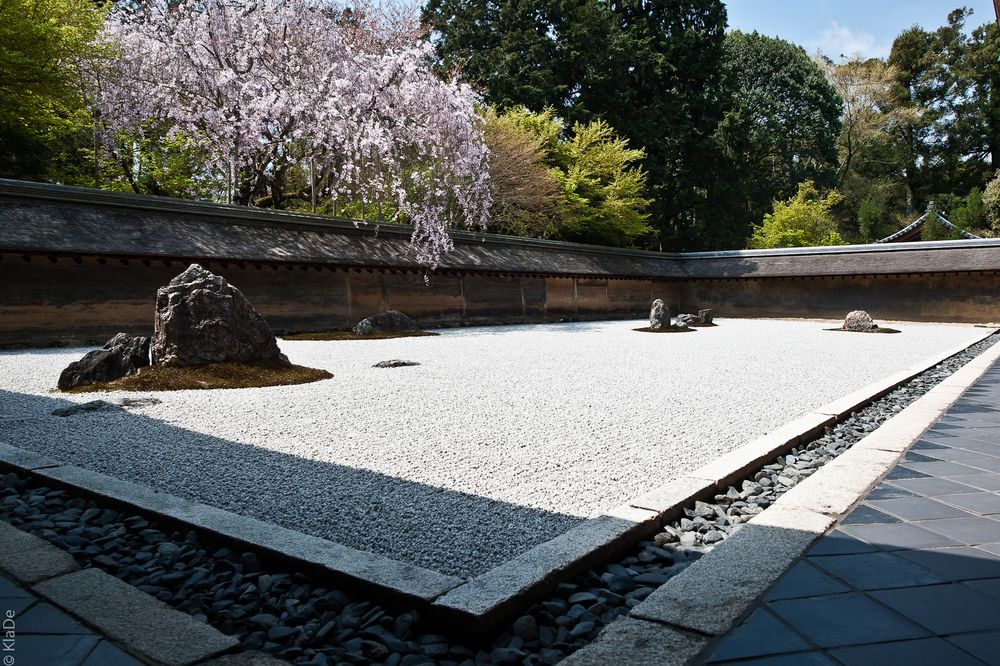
column 838, row 40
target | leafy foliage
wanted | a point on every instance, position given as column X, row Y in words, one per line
column 991, row 203
column 43, row 123
column 804, row 220
column 783, row 125
column 598, row 175
column 527, row 192
column 649, row 69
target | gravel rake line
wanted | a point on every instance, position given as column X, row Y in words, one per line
column 279, row 611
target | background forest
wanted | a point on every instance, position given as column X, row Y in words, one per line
column 636, row 123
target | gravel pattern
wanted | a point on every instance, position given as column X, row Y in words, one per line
column 425, row 466
column 282, row 612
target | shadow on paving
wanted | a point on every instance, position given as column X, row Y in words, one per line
column 912, row 574
column 445, row 530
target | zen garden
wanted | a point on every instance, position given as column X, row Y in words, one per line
column 419, row 332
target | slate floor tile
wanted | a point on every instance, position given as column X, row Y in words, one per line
column 942, row 468
column 886, row 491
column 944, row 609
column 50, row 650
column 877, row 571
column 905, row 473
column 804, row 580
column 988, row 586
column 762, row 634
column 797, row 659
column 913, row 456
column 990, row 464
column 981, row 503
column 959, row 563
column 845, row 619
column 920, row 652
column 932, row 487
column 984, row 481
column 919, row 508
column 927, row 447
column 985, row 646
column 900, row 536
column 47, row 619
column 106, row 654
column 970, row 531
column 18, row 605
column 838, row 543
column 964, row 456
column 9, row 590
column 866, row 515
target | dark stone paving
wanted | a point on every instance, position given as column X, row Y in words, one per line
column 912, row 574
column 42, row 635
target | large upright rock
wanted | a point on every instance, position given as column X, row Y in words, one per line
column 121, row 356
column 659, row 315
column 390, row 320
column 202, row 319
column 859, row 320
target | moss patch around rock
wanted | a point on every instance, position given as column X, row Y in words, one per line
column 669, row 329
column 214, row 376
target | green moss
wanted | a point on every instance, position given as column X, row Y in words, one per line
column 669, row 329
column 213, row 376
column 350, row 335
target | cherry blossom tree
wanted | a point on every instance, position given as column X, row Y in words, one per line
column 347, row 95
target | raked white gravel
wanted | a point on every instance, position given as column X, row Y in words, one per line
column 502, row 438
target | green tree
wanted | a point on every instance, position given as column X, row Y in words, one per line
column 43, row 122
column 599, row 175
column 527, row 193
column 782, row 128
column 805, row 220
column 971, row 215
column 934, row 230
column 871, row 219
column 991, row 203
column 649, row 68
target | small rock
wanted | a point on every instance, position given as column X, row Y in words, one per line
column 92, row 406
column 394, row 363
column 525, row 628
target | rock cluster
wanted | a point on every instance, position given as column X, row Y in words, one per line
column 201, row 319
column 859, row 321
column 121, row 356
column 703, row 317
column 659, row 315
column 390, row 320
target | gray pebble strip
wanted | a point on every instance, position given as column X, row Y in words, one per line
column 281, row 612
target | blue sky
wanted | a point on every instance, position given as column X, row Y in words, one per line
column 848, row 27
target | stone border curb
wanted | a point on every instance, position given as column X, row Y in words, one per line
column 718, row 591
column 372, row 570
column 137, row 622
column 481, row 605
column 145, row 626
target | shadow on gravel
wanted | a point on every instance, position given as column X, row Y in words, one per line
column 449, row 531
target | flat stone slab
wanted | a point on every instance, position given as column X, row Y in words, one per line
column 25, row 459
column 638, row 643
column 147, row 626
column 488, row 595
column 367, row 568
column 713, row 593
column 29, row 559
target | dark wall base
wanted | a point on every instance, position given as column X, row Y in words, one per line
column 932, row 297
column 86, row 301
